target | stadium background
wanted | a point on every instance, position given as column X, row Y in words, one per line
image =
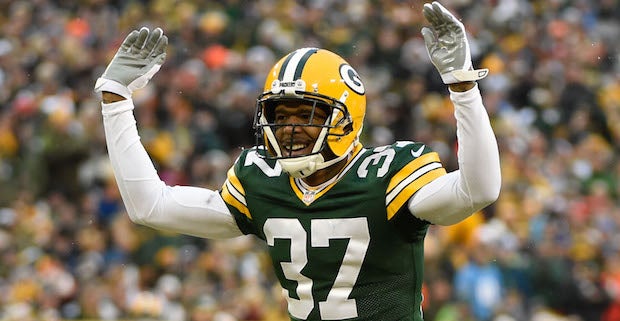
column 547, row 250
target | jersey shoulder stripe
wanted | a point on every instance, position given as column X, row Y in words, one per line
column 410, row 178
column 233, row 193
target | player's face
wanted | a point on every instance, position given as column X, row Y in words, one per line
column 294, row 131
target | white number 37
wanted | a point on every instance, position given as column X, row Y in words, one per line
column 337, row 304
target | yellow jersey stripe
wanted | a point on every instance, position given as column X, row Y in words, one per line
column 296, row 188
column 235, row 193
column 234, row 202
column 234, row 180
column 405, row 194
column 407, row 180
column 412, row 167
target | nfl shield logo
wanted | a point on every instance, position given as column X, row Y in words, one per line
column 308, row 197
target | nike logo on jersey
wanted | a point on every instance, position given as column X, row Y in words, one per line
column 417, row 153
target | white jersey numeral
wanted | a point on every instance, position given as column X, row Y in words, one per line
column 291, row 229
column 337, row 304
column 254, row 158
column 380, row 153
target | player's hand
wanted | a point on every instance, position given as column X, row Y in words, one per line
column 139, row 57
column 447, row 46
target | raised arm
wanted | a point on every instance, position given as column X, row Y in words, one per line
column 183, row 209
column 476, row 184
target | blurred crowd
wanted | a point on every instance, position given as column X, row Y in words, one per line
column 548, row 249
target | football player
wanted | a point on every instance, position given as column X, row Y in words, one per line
column 344, row 223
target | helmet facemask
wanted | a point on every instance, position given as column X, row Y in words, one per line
column 337, row 123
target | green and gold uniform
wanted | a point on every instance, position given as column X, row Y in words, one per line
column 347, row 250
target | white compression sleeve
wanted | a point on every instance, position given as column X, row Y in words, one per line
column 182, row 209
column 453, row 197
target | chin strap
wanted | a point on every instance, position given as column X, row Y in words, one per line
column 300, row 167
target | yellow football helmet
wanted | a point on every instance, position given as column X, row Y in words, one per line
column 322, row 79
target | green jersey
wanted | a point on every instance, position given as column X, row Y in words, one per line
column 349, row 249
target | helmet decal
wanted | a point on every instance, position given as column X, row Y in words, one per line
column 352, row 79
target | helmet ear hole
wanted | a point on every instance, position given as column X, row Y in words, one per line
column 347, row 124
column 348, row 128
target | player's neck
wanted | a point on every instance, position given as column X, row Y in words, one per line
column 323, row 175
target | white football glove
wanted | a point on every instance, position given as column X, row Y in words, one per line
column 139, row 57
column 447, row 46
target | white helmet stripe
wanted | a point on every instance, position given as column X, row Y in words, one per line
column 294, row 64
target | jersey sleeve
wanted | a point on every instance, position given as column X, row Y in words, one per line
column 148, row 200
column 234, row 195
column 477, row 182
column 414, row 166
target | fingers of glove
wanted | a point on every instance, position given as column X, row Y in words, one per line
column 159, row 52
column 447, row 18
column 431, row 14
column 429, row 37
column 139, row 43
column 129, row 40
column 151, row 42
